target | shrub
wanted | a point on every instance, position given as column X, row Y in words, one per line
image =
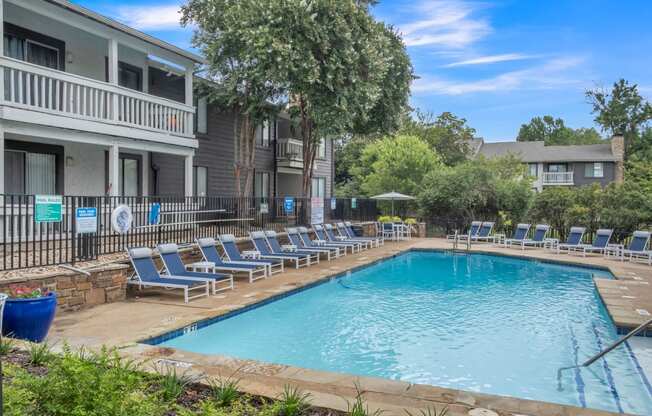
column 292, row 402
column 224, row 390
column 359, row 406
column 39, row 354
column 171, row 384
column 6, row 345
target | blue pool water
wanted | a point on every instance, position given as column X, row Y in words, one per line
column 475, row 322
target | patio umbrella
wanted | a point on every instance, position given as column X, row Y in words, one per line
column 392, row 196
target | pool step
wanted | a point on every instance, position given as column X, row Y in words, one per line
column 607, row 371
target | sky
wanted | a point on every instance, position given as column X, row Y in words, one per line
column 495, row 63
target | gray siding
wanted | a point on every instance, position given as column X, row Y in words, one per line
column 216, row 152
column 580, row 179
column 324, row 168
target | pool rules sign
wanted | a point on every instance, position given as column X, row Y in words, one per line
column 316, row 210
column 47, row 208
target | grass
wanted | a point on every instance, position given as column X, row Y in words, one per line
column 224, row 390
column 292, row 402
column 359, row 406
column 7, row 345
column 39, row 354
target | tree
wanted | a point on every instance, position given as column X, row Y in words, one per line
column 551, row 206
column 395, row 164
column 449, row 135
column 241, row 73
column 553, row 131
column 621, row 111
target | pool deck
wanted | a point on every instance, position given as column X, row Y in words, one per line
column 123, row 324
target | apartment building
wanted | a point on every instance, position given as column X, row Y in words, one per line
column 574, row 165
column 94, row 107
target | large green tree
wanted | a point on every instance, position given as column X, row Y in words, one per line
column 621, row 111
column 553, row 131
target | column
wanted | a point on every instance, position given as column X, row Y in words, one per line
column 113, row 75
column 2, row 53
column 2, row 158
column 145, row 173
column 189, row 99
column 188, row 175
column 114, row 170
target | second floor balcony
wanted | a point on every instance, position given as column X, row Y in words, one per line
column 289, row 153
column 558, row 178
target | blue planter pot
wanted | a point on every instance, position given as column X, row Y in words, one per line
column 29, row 319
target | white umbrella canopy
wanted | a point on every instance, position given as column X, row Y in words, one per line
column 393, row 196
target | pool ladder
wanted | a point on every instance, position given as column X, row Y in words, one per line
column 456, row 240
column 604, row 352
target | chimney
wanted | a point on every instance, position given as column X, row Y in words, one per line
column 618, row 150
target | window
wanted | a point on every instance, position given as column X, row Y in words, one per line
column 30, row 173
column 129, row 175
column 557, row 168
column 129, row 76
column 261, row 185
column 32, row 47
column 533, row 169
column 201, row 118
column 321, row 149
column 594, row 170
column 318, row 187
column 201, row 180
column 263, row 135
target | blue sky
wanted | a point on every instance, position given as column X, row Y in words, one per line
column 495, row 63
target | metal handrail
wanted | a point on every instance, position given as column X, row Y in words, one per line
column 604, row 352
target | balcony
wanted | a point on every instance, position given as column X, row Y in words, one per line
column 558, row 178
column 46, row 96
column 289, row 153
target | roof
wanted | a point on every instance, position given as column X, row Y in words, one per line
column 531, row 152
column 114, row 24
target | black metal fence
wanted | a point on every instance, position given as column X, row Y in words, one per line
column 28, row 241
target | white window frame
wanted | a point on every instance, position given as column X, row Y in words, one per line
column 202, row 115
column 596, row 170
column 197, row 176
column 318, row 187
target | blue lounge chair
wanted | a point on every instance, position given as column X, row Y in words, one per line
column 330, row 236
column 599, row 245
column 308, row 242
column 276, row 247
column 297, row 241
column 233, row 254
column 485, row 232
column 174, row 266
column 321, row 236
column 344, row 232
column 574, row 239
column 261, row 245
column 473, row 231
column 208, row 248
column 539, row 237
column 520, row 235
column 379, row 238
column 146, row 275
column 638, row 248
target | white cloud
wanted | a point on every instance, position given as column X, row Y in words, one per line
column 552, row 74
column 445, row 23
column 491, row 59
column 150, row 17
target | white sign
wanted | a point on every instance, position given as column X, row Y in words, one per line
column 333, row 204
column 316, row 210
column 264, row 208
column 121, row 219
column 86, row 220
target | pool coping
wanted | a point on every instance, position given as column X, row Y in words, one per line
column 457, row 400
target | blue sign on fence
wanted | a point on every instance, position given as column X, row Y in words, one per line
column 86, row 220
column 155, row 214
column 289, row 204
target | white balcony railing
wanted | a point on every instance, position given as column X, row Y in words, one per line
column 47, row 90
column 289, row 152
column 558, row 178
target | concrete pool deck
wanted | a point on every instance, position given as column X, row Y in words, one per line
column 123, row 324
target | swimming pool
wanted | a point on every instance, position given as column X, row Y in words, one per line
column 483, row 323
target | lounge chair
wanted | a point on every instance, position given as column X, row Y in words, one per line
column 261, row 245
column 174, row 266
column 330, row 235
column 322, row 237
column 319, row 243
column 485, row 232
column 297, row 241
column 519, row 236
column 346, row 231
column 232, row 253
column 146, row 275
column 599, row 245
column 208, row 248
column 638, row 248
column 378, row 238
column 539, row 237
column 276, row 247
column 473, row 231
column 574, row 239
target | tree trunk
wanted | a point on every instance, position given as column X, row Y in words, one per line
column 309, row 148
column 245, row 154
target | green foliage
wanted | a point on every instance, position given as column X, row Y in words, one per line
column 621, row 111
column 6, row 345
column 172, row 383
column 39, row 354
column 224, row 390
column 480, row 188
column 292, row 402
column 553, row 131
column 395, row 164
column 447, row 134
column 626, row 208
column 360, row 407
